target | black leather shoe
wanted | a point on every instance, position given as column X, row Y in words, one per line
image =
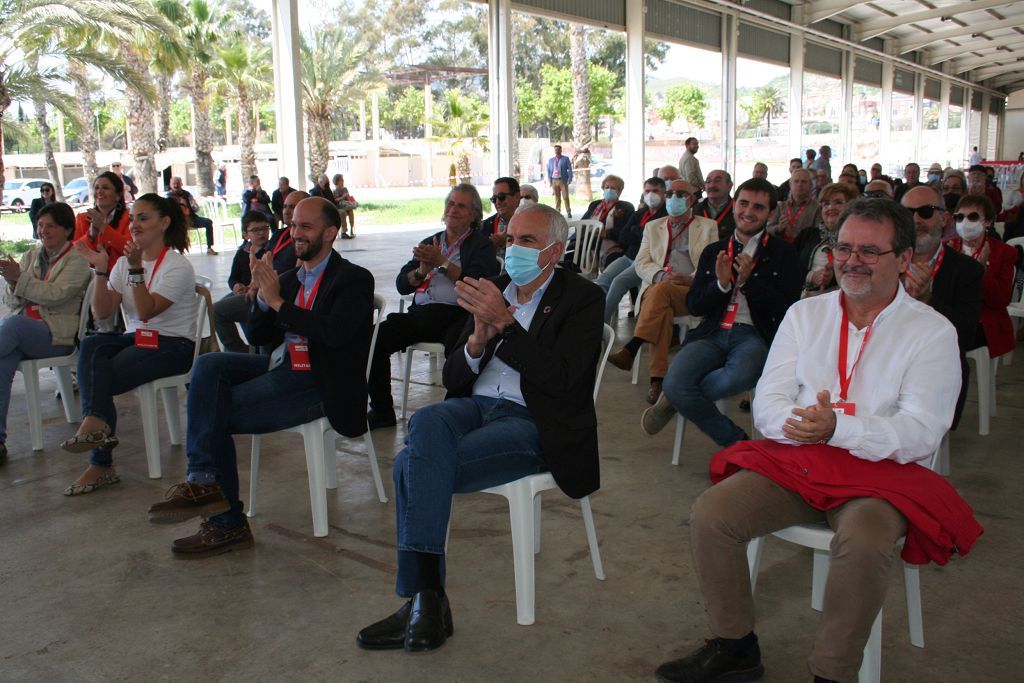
column 430, row 622
column 389, row 633
column 378, row 419
column 713, row 662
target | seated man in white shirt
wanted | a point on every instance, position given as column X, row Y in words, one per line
column 520, row 401
column 878, row 374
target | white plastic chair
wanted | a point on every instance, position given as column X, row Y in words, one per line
column 217, row 211
column 524, row 506
column 985, row 371
column 685, row 322
column 434, row 350
column 588, row 244
column 1015, row 309
column 167, row 387
column 677, row 446
column 61, row 366
column 819, row 538
column 318, row 440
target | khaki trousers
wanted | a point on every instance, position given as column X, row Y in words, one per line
column 662, row 302
column 560, row 190
column 748, row 505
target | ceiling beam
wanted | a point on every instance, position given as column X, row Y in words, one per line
column 989, row 72
column 989, row 49
column 1007, row 80
column 910, row 44
column 972, row 62
column 823, row 9
column 870, row 29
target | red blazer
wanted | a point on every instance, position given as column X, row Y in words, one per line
column 939, row 521
column 112, row 237
column 996, row 290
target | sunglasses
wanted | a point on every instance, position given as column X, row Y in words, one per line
column 500, row 197
column 972, row 216
column 926, row 211
column 46, row 189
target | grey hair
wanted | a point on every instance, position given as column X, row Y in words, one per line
column 475, row 201
column 885, row 211
column 529, row 190
column 558, row 228
column 810, row 176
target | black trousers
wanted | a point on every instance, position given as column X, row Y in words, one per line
column 436, row 323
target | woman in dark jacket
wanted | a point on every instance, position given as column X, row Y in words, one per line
column 47, row 195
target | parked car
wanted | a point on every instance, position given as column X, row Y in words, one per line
column 77, row 190
column 19, row 193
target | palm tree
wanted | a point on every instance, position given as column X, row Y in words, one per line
column 463, row 122
column 243, row 71
column 201, row 27
column 580, row 108
column 772, row 103
column 334, row 73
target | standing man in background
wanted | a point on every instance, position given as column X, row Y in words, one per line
column 689, row 167
column 560, row 177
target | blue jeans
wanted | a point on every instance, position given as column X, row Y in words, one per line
column 111, row 364
column 233, row 393
column 21, row 338
column 457, row 446
column 617, row 279
column 718, row 366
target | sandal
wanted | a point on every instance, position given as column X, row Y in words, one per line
column 82, row 489
column 83, row 443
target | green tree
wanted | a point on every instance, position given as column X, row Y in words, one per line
column 555, row 99
column 407, row 112
column 462, row 124
column 242, row 72
column 686, row 101
column 766, row 102
column 529, row 107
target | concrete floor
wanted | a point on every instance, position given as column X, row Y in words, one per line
column 90, row 591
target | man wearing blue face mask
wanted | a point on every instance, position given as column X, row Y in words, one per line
column 520, row 401
column 667, row 259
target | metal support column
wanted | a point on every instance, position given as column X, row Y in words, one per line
column 635, row 135
column 885, row 123
column 986, row 102
column 918, row 121
column 846, row 127
column 730, row 42
column 291, row 157
column 796, row 89
column 501, row 82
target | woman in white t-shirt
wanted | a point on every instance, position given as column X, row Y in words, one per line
column 154, row 284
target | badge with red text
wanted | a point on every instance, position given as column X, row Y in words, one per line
column 845, row 407
column 299, row 354
column 729, row 319
column 32, row 311
column 147, row 339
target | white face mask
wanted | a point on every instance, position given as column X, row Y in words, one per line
column 970, row 230
column 525, row 202
column 652, row 199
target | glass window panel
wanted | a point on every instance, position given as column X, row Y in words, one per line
column 762, row 118
column 822, row 114
column 867, row 117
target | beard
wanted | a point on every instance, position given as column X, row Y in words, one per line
column 311, row 251
column 855, row 288
column 926, row 242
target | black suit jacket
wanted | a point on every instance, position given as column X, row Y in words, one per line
column 956, row 294
column 772, row 287
column 338, row 327
column 632, row 234
column 477, row 258
column 557, row 362
column 726, row 225
column 623, row 211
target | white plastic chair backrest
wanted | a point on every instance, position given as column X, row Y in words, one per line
column 380, row 304
column 83, row 313
column 1015, row 296
column 587, row 244
column 200, row 321
column 607, row 339
column 205, row 282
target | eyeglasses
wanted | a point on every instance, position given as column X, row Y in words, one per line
column 866, row 255
column 45, row 189
column 972, row 216
column 681, row 194
column 876, row 194
column 265, row 228
column 926, row 211
column 500, row 197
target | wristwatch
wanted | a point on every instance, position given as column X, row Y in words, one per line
column 136, row 277
column 443, row 268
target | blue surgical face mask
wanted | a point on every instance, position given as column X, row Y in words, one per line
column 934, row 177
column 521, row 263
column 610, row 195
column 676, row 206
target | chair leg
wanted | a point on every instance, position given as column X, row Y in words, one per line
column 66, row 387
column 678, row 445
column 169, row 395
column 912, row 581
column 371, row 453
column 822, row 561
column 635, row 372
column 405, row 380
column 943, row 458
column 984, row 397
column 537, row 511
column 35, row 412
column 595, row 550
column 330, row 459
column 993, row 367
column 520, row 508
column 313, row 442
column 755, row 548
column 871, row 666
column 254, row 474
column 150, row 428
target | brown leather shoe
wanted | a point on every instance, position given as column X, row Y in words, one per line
column 654, row 393
column 187, row 500
column 621, row 359
column 212, row 540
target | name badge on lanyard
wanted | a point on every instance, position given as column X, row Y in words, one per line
column 298, row 352
column 144, row 338
column 733, row 307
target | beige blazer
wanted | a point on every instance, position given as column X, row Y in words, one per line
column 651, row 257
column 59, row 297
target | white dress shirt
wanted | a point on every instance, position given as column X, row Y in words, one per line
column 498, row 379
column 905, row 385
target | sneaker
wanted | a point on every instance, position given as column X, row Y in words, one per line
column 187, row 500
column 213, row 540
column 657, row 416
column 713, row 662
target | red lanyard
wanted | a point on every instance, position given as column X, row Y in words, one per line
column 938, row 260
column 282, row 243
column 606, row 211
column 789, row 213
column 729, row 250
column 647, row 216
column 844, row 344
column 49, row 268
column 721, row 217
column 159, row 260
column 672, row 238
column 301, row 302
column 959, row 244
column 444, row 254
